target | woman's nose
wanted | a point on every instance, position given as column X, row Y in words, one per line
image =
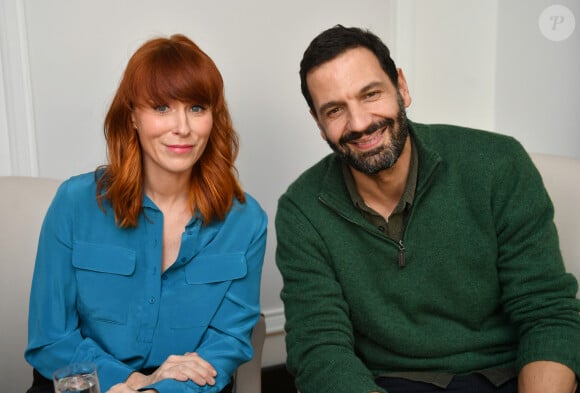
column 182, row 125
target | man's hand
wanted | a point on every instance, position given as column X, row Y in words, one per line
column 546, row 377
column 178, row 367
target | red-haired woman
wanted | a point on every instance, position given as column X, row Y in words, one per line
column 150, row 266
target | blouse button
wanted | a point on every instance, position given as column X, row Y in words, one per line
column 152, row 300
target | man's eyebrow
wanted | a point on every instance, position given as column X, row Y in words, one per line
column 330, row 104
column 371, row 86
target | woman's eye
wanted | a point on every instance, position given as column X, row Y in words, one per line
column 162, row 108
column 197, row 108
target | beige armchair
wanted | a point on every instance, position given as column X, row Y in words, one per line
column 561, row 177
column 23, row 203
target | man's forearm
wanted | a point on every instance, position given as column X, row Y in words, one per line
column 546, row 377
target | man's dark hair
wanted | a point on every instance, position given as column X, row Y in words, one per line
column 337, row 40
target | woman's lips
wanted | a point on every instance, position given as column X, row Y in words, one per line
column 180, row 149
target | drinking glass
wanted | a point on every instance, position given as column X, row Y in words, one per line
column 77, row 378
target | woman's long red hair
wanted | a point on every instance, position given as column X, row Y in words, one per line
column 162, row 70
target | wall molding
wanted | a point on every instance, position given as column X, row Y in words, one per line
column 274, row 320
column 17, row 104
column 274, row 351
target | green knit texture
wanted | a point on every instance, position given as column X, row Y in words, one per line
column 484, row 284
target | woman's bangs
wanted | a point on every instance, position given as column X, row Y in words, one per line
column 170, row 79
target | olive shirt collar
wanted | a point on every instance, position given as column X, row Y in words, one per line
column 393, row 225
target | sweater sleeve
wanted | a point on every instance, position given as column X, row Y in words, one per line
column 537, row 293
column 319, row 340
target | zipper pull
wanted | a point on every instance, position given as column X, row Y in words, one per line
column 402, row 262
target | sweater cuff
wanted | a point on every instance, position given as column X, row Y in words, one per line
column 358, row 384
column 563, row 351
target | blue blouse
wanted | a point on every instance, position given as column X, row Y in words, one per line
column 99, row 295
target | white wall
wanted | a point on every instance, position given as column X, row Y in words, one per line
column 538, row 80
column 486, row 64
column 453, row 65
column 481, row 63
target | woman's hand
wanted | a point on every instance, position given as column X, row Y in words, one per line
column 123, row 388
column 178, row 367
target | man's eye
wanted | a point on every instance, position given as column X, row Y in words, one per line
column 333, row 112
column 162, row 108
column 371, row 94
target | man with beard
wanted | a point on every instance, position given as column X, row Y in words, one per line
column 417, row 258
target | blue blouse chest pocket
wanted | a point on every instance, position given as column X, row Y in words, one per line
column 207, row 280
column 103, row 275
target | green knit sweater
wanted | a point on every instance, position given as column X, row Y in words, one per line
column 483, row 285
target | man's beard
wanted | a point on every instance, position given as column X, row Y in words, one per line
column 382, row 157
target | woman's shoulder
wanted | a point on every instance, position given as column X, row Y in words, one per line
column 76, row 196
column 79, row 185
column 252, row 202
column 250, row 208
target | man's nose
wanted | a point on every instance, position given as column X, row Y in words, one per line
column 359, row 119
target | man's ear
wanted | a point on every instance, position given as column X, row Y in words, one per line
column 320, row 128
column 404, row 88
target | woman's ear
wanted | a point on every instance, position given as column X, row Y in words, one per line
column 133, row 123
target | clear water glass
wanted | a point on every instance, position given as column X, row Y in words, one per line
column 77, row 378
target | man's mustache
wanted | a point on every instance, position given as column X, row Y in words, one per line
column 354, row 135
